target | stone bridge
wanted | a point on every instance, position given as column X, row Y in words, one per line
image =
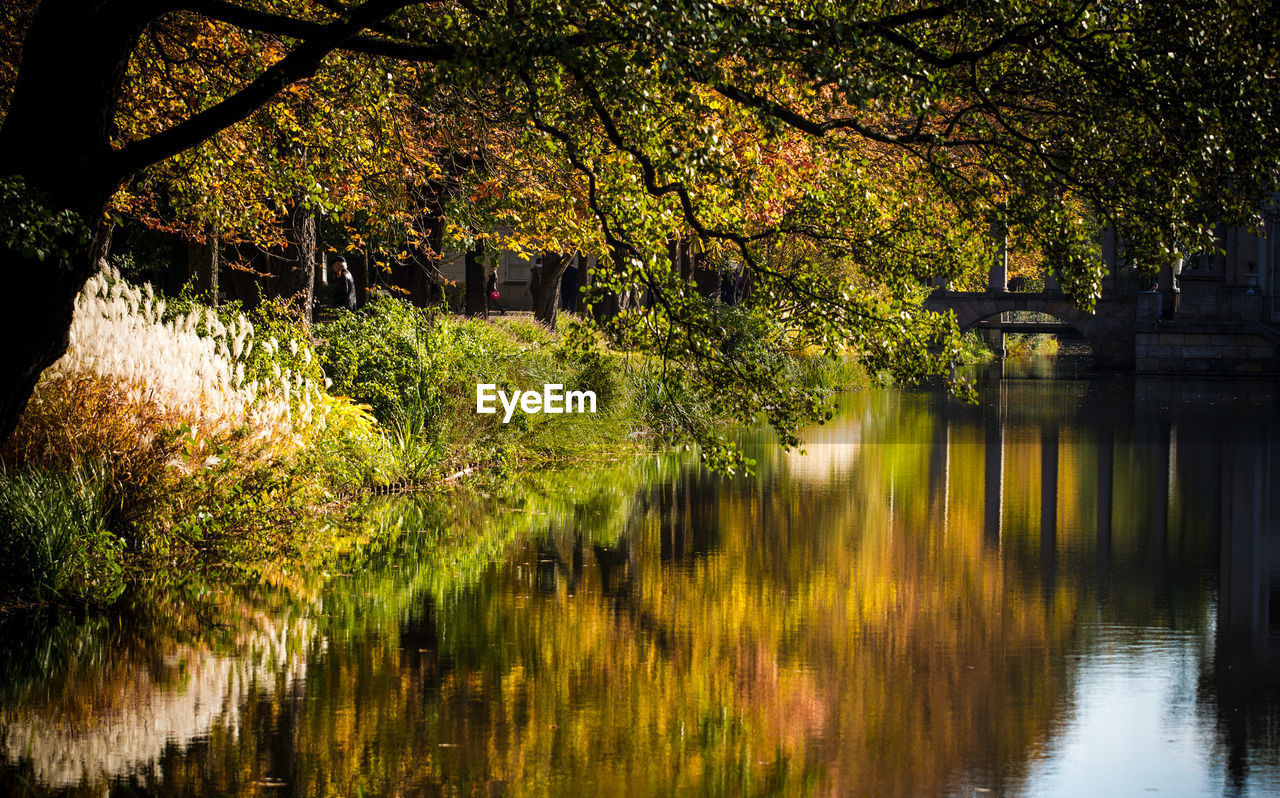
column 1109, row 329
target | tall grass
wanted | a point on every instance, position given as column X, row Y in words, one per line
column 54, row 538
column 412, row 431
column 191, row 365
column 183, row 426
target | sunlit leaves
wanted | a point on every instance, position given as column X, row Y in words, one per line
column 842, row 156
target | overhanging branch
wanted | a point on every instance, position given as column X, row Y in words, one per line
column 263, row 22
column 301, row 63
column 804, row 124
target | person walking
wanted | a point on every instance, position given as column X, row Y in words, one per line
column 569, row 288
column 344, row 285
column 494, row 295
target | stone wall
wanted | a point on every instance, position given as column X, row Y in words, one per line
column 1207, row 348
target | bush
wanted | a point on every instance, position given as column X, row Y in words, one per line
column 379, row 354
column 54, row 537
column 419, row 371
column 1029, row 345
column 351, row 451
column 78, row 423
column 193, row 428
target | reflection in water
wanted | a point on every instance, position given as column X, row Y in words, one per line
column 1072, row 587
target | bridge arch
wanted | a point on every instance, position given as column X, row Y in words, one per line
column 1081, row 323
column 1108, row 331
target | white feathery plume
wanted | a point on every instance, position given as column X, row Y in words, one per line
column 117, row 333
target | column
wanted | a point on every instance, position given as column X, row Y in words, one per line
column 998, row 279
column 1168, row 293
column 1048, row 511
column 1105, row 490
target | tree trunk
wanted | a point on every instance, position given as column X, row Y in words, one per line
column 745, row 285
column 546, row 302
column 202, row 269
column 296, row 278
column 422, row 272
column 36, row 328
column 680, row 254
column 420, row 275
column 611, row 302
column 56, row 137
column 57, row 133
column 362, row 266
column 320, row 280
column 477, row 299
column 705, row 280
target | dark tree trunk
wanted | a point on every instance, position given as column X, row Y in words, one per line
column 681, row 259
column 546, row 301
column 57, row 132
column 296, row 281
column 420, row 276
column 361, row 267
column 243, row 284
column 477, row 300
column 705, row 280
column 36, row 328
column 745, row 285
column 320, row 280
column 611, row 303
column 431, row 271
column 56, row 136
column 202, row 269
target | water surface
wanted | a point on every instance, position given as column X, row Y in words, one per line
column 1070, row 589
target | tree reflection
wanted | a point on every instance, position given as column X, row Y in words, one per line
column 877, row 619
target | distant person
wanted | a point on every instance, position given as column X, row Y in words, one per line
column 569, row 289
column 728, row 289
column 344, row 285
column 494, row 294
column 535, row 277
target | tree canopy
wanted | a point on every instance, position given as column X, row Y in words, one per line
column 841, row 156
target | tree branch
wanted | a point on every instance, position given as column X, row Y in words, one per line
column 804, row 124
column 263, row 22
column 341, row 8
column 303, row 62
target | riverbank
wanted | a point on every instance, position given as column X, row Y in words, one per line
column 181, row 437
column 583, row 625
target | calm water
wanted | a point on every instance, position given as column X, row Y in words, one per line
column 1072, row 589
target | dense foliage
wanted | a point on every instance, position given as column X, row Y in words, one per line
column 765, row 188
column 839, row 157
column 173, row 433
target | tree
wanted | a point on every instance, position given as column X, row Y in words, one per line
column 677, row 118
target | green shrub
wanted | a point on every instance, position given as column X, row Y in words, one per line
column 54, row 539
column 419, row 371
column 351, row 451
column 379, row 354
column 1030, row 345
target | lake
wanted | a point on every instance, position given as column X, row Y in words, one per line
column 1070, row 588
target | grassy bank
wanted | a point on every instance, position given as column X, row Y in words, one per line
column 1031, row 345
column 181, row 437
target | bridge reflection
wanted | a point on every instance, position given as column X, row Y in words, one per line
column 1192, row 486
